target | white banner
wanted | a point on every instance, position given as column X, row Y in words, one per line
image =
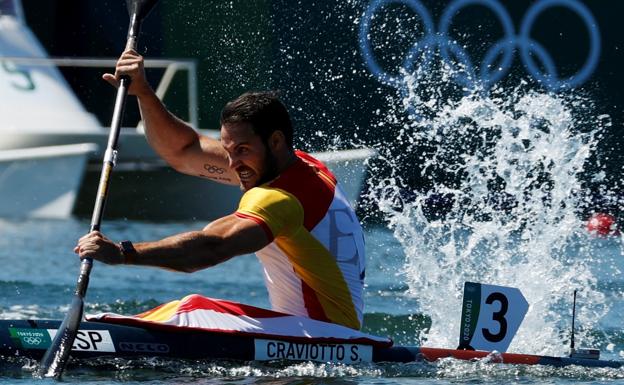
column 267, row 350
column 90, row 340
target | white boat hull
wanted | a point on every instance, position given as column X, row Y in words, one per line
column 144, row 187
column 154, row 191
column 42, row 181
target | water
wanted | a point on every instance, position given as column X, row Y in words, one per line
column 510, row 214
column 503, row 205
column 39, row 273
column 488, row 182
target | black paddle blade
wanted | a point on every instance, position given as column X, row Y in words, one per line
column 140, row 8
column 55, row 358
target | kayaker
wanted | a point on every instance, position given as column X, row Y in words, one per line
column 292, row 214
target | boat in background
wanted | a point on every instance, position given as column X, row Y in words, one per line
column 42, row 181
column 150, row 190
column 40, row 109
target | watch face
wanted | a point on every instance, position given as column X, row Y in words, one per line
column 127, row 246
column 128, row 252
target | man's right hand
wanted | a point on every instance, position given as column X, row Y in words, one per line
column 130, row 63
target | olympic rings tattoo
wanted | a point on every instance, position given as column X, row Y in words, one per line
column 489, row 72
column 214, row 169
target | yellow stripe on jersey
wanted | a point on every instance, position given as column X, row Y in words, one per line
column 280, row 210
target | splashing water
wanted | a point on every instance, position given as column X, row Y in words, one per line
column 501, row 207
column 475, row 187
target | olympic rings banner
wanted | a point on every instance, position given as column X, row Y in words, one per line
column 338, row 64
column 531, row 52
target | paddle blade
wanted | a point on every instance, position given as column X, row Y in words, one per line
column 55, row 358
column 140, row 8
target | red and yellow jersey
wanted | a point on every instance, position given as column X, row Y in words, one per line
column 315, row 264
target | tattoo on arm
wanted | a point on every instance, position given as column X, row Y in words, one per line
column 215, row 172
column 212, row 169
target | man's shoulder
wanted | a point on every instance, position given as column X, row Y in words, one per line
column 266, row 196
column 276, row 208
column 306, row 178
column 266, row 191
column 319, row 167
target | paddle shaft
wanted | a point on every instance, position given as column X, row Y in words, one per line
column 110, row 156
column 55, row 358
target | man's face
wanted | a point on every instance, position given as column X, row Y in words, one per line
column 252, row 161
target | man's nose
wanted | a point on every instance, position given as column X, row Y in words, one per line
column 233, row 161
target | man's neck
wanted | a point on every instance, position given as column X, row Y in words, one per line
column 286, row 160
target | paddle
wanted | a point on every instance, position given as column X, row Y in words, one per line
column 55, row 358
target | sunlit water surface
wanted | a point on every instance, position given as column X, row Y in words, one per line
column 39, row 272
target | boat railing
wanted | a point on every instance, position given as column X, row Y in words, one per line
column 171, row 67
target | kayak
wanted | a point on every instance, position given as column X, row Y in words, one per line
column 31, row 338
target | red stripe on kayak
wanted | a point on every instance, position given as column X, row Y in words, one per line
column 196, row 301
column 149, row 325
column 434, row 354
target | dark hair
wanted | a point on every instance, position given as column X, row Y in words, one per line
column 263, row 111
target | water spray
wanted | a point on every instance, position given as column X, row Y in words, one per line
column 586, row 353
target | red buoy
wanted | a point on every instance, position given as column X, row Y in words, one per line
column 602, row 224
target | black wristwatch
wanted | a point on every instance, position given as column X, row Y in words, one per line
column 128, row 252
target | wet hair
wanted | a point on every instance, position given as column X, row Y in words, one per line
column 263, row 110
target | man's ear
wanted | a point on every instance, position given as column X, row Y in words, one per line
column 277, row 140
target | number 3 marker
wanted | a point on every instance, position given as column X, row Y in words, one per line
column 491, row 316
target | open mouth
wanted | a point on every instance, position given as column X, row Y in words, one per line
column 245, row 174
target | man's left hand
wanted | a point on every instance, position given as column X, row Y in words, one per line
column 95, row 245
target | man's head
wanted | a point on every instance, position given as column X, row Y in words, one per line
column 257, row 134
column 263, row 111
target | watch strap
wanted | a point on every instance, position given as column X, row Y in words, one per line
column 128, row 252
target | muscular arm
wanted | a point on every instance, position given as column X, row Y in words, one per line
column 186, row 252
column 219, row 241
column 181, row 146
column 175, row 141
